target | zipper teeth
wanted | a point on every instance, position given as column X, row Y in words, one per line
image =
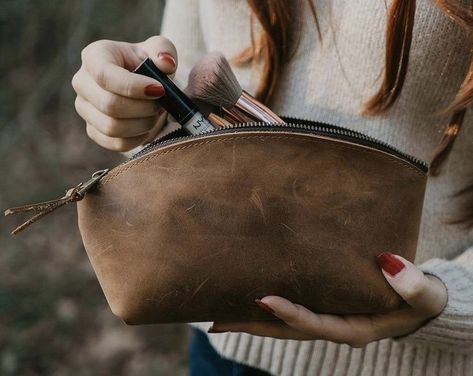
column 292, row 123
column 355, row 134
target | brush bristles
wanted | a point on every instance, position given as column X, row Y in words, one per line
column 212, row 80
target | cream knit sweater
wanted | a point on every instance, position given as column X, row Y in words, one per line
column 328, row 81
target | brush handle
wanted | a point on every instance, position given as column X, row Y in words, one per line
column 231, row 116
column 219, row 121
column 255, row 109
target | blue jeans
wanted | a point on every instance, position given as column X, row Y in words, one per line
column 205, row 361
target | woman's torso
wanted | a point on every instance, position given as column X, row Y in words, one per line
column 329, row 80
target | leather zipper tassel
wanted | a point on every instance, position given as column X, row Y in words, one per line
column 43, row 208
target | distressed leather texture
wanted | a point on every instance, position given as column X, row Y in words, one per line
column 197, row 230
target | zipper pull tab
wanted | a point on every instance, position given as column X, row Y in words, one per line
column 43, row 208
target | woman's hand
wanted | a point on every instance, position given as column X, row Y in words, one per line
column 120, row 107
column 425, row 295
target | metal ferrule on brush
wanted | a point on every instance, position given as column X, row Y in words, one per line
column 253, row 109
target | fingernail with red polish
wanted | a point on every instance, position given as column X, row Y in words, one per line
column 168, row 58
column 264, row 306
column 154, row 90
column 389, row 263
column 212, row 330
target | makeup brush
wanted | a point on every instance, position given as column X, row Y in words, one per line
column 218, row 121
column 212, row 81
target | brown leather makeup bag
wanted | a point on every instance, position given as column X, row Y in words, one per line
column 195, row 228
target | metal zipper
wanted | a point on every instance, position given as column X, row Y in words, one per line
column 292, row 125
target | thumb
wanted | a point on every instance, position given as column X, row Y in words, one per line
column 161, row 51
column 425, row 293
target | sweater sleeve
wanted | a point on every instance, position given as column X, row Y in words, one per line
column 181, row 25
column 452, row 330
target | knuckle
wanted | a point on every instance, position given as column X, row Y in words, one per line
column 299, row 316
column 296, row 318
column 362, row 338
column 77, row 105
column 89, row 60
column 88, row 50
column 109, row 104
column 129, row 89
column 156, row 39
column 111, row 127
column 90, row 132
column 100, row 76
column 74, row 81
column 85, row 53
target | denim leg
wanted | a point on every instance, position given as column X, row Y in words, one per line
column 205, row 361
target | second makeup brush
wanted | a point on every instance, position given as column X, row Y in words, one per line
column 212, row 81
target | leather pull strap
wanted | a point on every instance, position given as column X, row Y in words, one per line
column 43, row 208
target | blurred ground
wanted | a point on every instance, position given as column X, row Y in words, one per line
column 54, row 319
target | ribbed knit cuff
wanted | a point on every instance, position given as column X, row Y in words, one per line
column 452, row 330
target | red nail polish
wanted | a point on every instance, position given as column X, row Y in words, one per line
column 154, row 90
column 389, row 263
column 264, row 306
column 168, row 58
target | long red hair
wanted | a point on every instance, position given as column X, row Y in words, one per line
column 279, row 39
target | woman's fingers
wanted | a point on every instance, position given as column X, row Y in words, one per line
column 275, row 329
column 110, row 65
column 109, row 103
column 356, row 330
column 158, row 128
column 161, row 51
column 115, row 143
column 425, row 293
column 114, row 127
column 120, row 106
column 301, row 324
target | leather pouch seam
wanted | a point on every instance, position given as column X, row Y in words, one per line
column 333, row 144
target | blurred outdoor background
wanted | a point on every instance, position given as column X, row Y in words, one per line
column 54, row 319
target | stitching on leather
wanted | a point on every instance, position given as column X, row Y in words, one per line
column 239, row 137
